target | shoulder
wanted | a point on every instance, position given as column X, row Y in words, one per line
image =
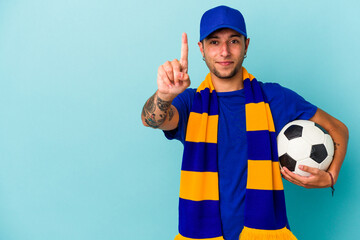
column 280, row 95
column 286, row 105
column 270, row 87
column 275, row 91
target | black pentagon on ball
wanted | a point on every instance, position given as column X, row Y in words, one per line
column 318, row 153
column 287, row 161
column 294, row 131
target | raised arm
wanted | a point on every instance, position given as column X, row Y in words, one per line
column 172, row 79
column 318, row 178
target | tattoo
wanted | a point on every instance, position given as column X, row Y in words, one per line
column 163, row 105
column 152, row 122
column 150, row 105
column 336, row 145
column 151, row 118
column 171, row 113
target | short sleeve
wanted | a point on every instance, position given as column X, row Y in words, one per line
column 183, row 103
column 286, row 105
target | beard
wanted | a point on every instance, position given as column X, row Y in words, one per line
column 227, row 75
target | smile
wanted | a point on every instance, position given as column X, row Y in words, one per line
column 225, row 63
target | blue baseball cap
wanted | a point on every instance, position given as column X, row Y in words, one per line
column 221, row 17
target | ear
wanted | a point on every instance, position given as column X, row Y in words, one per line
column 247, row 42
column 201, row 48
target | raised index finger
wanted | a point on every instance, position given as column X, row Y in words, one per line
column 184, row 53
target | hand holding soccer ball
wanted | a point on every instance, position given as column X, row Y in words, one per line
column 303, row 142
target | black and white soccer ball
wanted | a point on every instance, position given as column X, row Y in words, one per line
column 303, row 142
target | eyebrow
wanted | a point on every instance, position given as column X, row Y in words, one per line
column 216, row 37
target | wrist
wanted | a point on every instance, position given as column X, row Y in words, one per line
column 332, row 183
column 165, row 96
column 334, row 174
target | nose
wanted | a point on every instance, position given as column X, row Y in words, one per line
column 224, row 50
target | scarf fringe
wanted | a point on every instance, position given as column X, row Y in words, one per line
column 259, row 234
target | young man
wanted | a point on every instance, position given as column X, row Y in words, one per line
column 223, row 191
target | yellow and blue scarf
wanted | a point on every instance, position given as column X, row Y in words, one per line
column 199, row 206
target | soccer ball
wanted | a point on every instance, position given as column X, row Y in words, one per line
column 303, row 142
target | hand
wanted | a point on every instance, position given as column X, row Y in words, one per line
column 172, row 76
column 317, row 179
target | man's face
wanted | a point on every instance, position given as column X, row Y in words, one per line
column 224, row 52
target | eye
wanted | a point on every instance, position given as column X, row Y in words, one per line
column 214, row 42
column 235, row 41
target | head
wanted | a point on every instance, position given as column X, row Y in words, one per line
column 223, row 41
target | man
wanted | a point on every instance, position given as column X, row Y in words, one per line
column 174, row 108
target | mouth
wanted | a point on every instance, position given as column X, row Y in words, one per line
column 225, row 63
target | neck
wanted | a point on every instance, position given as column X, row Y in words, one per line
column 228, row 84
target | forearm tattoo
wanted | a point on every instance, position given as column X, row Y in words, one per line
column 163, row 105
column 171, row 113
column 153, row 119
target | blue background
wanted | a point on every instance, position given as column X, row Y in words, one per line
column 75, row 160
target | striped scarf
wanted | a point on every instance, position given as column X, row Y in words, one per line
column 199, row 206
